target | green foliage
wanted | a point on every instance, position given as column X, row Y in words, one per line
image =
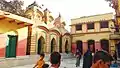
column 14, row 6
column 17, row 4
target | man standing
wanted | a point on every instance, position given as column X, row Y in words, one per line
column 87, row 58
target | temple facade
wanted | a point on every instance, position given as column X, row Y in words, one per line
column 47, row 34
column 93, row 30
column 39, row 32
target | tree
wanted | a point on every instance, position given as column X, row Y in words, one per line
column 4, row 5
column 14, row 6
column 17, row 4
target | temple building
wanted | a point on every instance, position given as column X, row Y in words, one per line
column 39, row 32
column 48, row 34
column 93, row 30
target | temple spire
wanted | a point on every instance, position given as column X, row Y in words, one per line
column 34, row 2
column 59, row 14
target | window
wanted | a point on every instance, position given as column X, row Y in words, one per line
column 104, row 24
column 79, row 27
column 90, row 26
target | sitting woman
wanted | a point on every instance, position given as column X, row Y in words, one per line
column 101, row 59
column 40, row 62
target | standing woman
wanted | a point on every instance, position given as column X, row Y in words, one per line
column 78, row 57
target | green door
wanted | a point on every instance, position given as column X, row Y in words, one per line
column 11, row 48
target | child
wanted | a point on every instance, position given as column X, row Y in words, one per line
column 40, row 62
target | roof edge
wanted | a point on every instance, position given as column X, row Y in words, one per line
column 92, row 15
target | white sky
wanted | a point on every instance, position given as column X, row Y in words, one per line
column 74, row 8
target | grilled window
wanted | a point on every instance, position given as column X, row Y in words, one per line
column 90, row 26
column 79, row 27
column 104, row 24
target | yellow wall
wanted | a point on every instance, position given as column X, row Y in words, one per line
column 97, row 33
column 73, row 29
column 7, row 28
column 85, row 37
column 22, row 33
column 10, row 26
column 13, row 29
column 96, row 28
column 95, row 18
column 119, row 5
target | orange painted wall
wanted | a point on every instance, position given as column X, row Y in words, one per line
column 21, row 47
column 2, row 45
column 22, row 41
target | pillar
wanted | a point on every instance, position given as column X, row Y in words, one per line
column 112, row 46
column 85, row 46
column 48, row 46
column 97, row 45
column 73, row 48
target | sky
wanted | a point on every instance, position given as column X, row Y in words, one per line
column 70, row 9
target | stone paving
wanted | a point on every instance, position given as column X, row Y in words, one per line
column 66, row 63
column 68, row 60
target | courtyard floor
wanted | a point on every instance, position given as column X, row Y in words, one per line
column 66, row 63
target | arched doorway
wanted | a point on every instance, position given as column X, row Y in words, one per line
column 41, row 43
column 53, row 44
column 66, row 46
column 105, row 44
column 91, row 44
column 79, row 46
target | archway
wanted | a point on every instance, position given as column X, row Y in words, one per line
column 79, row 46
column 53, row 44
column 41, row 43
column 91, row 44
column 105, row 44
column 66, row 46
